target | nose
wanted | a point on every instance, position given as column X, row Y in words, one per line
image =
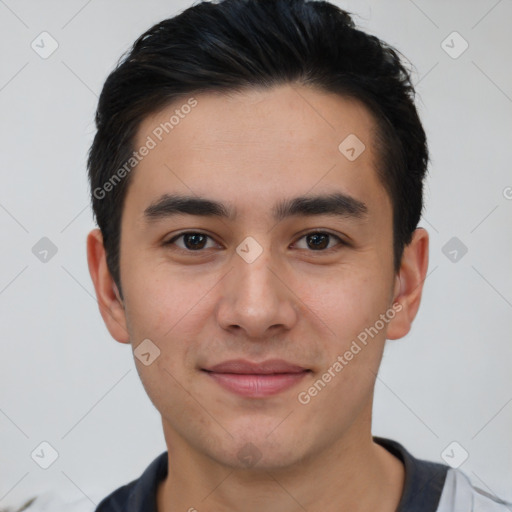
column 256, row 299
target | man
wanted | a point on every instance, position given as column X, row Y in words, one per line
column 257, row 179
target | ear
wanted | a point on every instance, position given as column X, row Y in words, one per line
column 109, row 300
column 409, row 284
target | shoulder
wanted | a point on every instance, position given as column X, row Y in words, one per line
column 51, row 501
column 118, row 498
column 139, row 494
column 435, row 487
column 460, row 494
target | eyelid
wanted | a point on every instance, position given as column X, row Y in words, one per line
column 189, row 232
column 341, row 240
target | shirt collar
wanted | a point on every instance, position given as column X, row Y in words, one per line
column 424, row 481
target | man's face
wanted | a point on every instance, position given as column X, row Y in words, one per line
column 214, row 296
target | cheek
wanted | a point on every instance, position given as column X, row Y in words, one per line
column 170, row 310
column 166, row 320
column 157, row 300
column 348, row 301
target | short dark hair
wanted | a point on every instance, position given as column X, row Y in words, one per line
column 235, row 45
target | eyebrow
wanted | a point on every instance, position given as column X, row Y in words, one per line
column 335, row 204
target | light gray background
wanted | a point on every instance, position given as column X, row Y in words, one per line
column 64, row 380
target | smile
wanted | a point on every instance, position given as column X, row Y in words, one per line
column 256, row 380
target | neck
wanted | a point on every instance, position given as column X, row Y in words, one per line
column 355, row 474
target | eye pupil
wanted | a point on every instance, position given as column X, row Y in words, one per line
column 315, row 237
column 196, row 243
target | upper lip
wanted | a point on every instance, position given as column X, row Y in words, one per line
column 267, row 367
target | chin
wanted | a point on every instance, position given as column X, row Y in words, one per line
column 261, row 451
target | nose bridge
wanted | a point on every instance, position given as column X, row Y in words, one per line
column 255, row 283
column 255, row 279
column 256, row 299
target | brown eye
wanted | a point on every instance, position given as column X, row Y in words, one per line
column 319, row 241
column 192, row 241
column 315, row 241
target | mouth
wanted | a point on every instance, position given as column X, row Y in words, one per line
column 256, row 380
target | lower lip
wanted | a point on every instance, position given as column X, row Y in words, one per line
column 257, row 386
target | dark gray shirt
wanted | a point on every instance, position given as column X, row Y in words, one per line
column 423, row 488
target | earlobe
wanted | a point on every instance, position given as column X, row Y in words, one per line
column 409, row 284
column 109, row 301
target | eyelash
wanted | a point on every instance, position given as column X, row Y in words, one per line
column 340, row 244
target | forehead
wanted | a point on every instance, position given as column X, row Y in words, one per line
column 259, row 145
